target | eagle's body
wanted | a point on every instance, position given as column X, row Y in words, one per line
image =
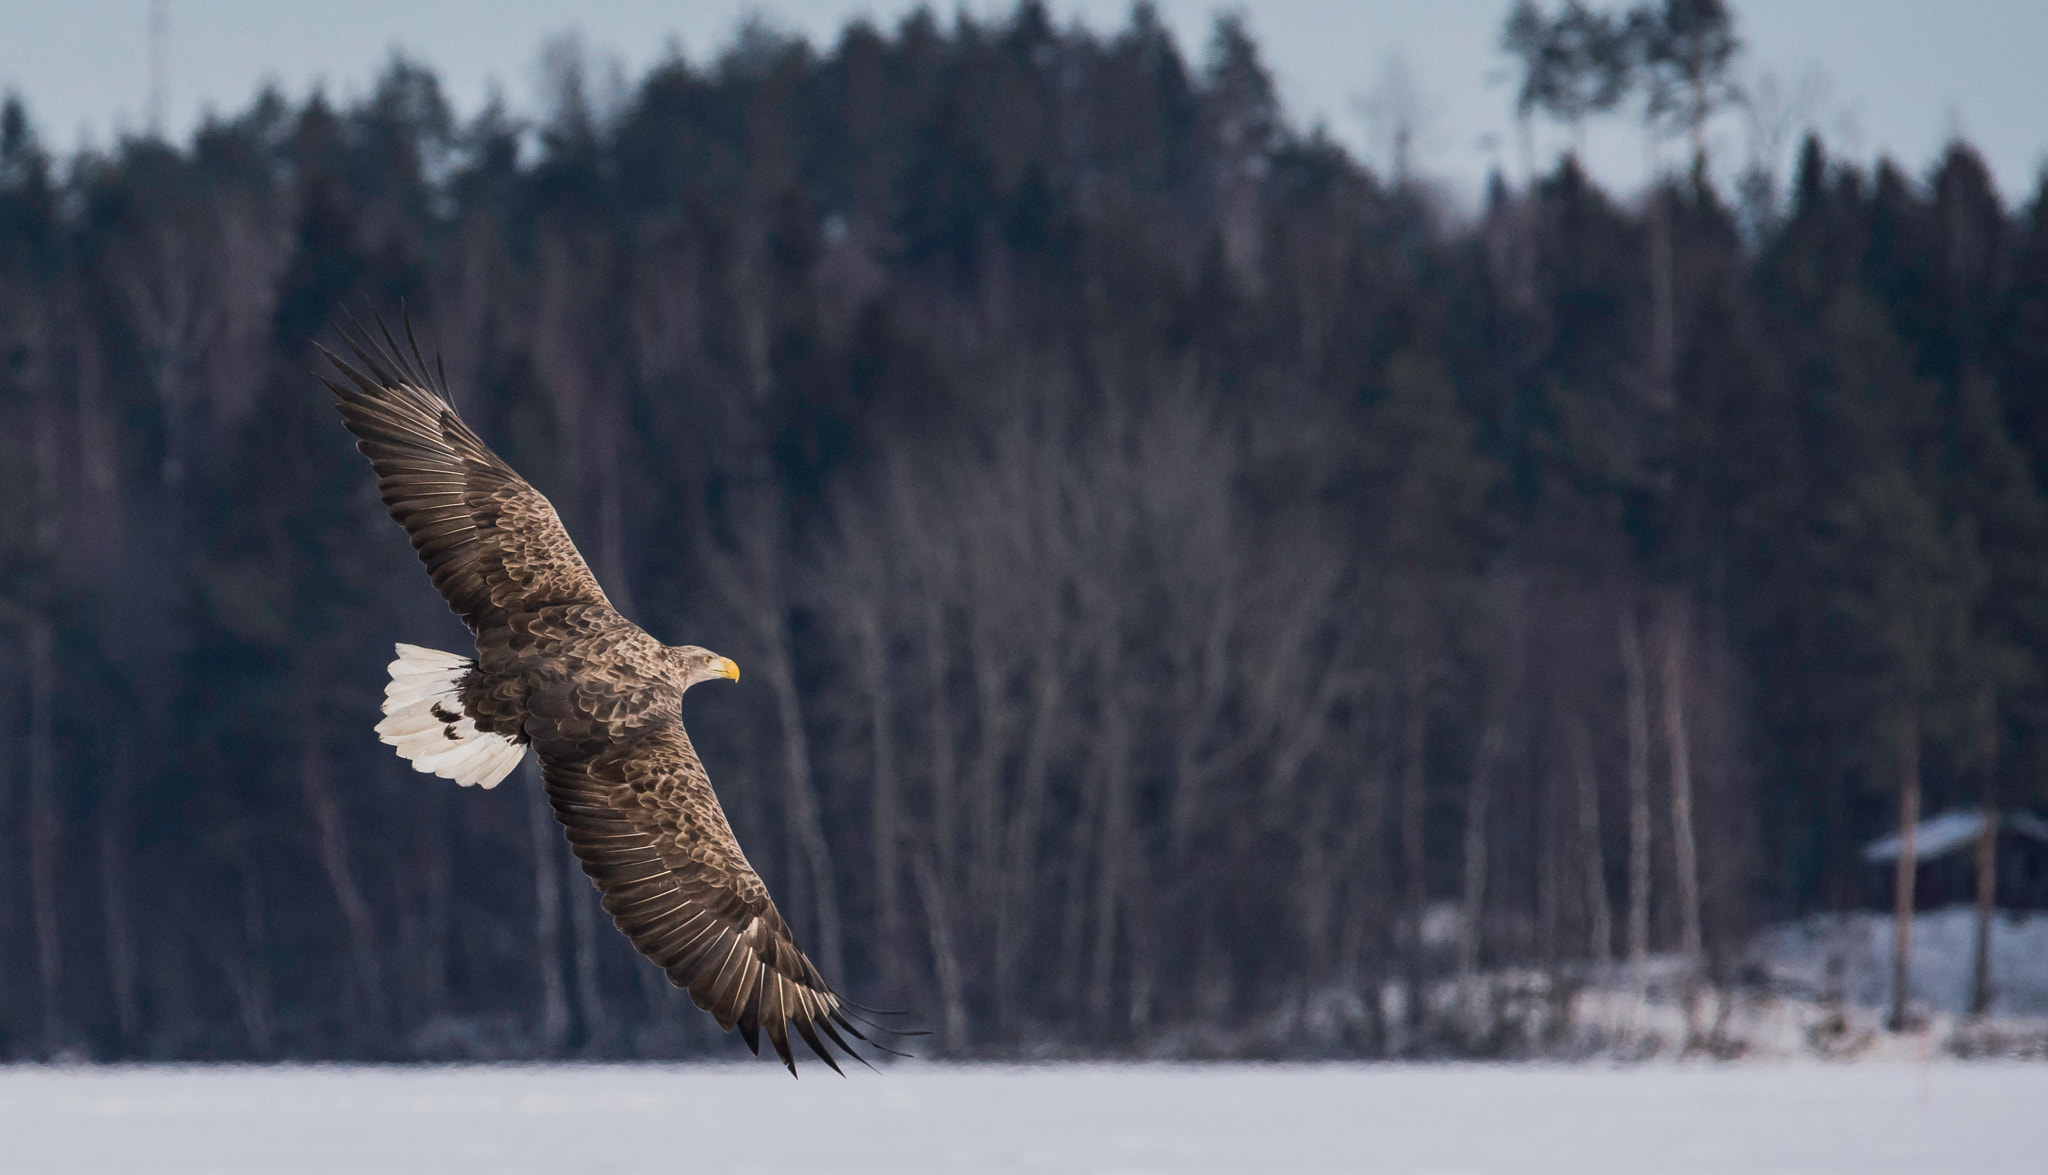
column 572, row 679
column 559, row 672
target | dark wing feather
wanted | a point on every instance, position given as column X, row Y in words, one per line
column 649, row 831
column 491, row 542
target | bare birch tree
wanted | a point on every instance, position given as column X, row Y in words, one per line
column 331, row 844
column 1599, row 914
column 1684, row 841
column 1637, row 719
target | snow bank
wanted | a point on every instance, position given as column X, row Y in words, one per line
column 1849, row 957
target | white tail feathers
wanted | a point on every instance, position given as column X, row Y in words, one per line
column 423, row 718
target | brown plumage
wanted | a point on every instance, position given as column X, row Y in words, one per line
column 557, row 669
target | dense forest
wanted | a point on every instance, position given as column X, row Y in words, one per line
column 1196, row 592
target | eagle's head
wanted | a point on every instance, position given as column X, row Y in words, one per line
column 702, row 665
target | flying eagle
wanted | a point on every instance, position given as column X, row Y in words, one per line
column 559, row 671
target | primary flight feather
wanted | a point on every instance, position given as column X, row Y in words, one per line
column 559, row 672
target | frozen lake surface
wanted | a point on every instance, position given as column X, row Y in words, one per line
column 1756, row 1119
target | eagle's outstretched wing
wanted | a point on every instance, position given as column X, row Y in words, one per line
column 650, row 833
column 492, row 543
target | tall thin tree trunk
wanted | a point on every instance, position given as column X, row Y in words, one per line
column 44, row 827
column 432, row 965
column 1113, row 844
column 1414, row 896
column 1366, row 919
column 1478, row 798
column 547, row 913
column 1014, row 919
column 1550, row 870
column 113, row 831
column 583, row 931
column 945, row 955
column 944, row 774
column 1140, row 938
column 1908, row 751
column 251, row 978
column 1684, row 843
column 1637, row 689
column 883, row 815
column 1685, row 847
column 993, row 722
column 1599, row 918
column 1209, row 679
column 1987, row 857
column 1083, row 833
column 332, row 840
column 45, row 818
column 800, row 800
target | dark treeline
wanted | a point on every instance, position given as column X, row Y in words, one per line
column 1191, row 590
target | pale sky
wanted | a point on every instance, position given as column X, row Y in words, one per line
column 1897, row 77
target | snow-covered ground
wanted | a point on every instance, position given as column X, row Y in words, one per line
column 1986, row 1118
column 1849, row 957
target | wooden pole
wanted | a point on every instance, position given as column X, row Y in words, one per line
column 1908, row 865
column 1987, row 857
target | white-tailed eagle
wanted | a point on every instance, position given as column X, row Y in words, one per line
column 561, row 673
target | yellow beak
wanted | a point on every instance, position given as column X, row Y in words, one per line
column 727, row 667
